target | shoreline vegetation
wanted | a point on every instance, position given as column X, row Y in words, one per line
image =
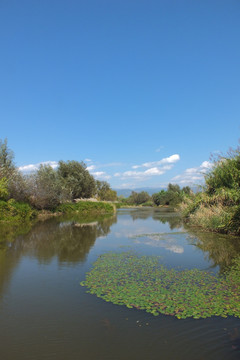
column 50, row 192
column 70, row 188
column 217, row 207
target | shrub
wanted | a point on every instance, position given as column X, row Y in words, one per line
column 4, row 189
column 15, row 212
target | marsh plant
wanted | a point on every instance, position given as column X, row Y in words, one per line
column 142, row 282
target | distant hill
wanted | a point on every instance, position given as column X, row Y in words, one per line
column 127, row 192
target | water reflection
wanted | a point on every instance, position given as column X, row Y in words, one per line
column 45, row 313
column 68, row 240
column 164, row 215
column 168, row 241
column 219, row 249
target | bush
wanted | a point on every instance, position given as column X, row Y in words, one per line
column 218, row 207
column 4, row 189
column 15, row 212
column 86, row 207
column 138, row 198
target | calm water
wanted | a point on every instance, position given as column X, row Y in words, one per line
column 45, row 314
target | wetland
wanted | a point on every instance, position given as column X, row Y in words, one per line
column 137, row 284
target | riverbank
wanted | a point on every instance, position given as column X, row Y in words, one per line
column 15, row 213
column 210, row 215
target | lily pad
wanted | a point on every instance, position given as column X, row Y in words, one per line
column 142, row 282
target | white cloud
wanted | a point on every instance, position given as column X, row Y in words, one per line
column 91, row 167
column 149, row 169
column 193, row 175
column 34, row 167
column 169, row 160
column 88, row 160
column 206, row 165
column 101, row 175
column 154, row 171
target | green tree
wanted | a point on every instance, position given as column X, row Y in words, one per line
column 172, row 196
column 104, row 191
column 4, row 189
column 174, row 188
column 138, row 198
column 75, row 180
column 158, row 198
column 6, row 160
column 44, row 188
column 187, row 190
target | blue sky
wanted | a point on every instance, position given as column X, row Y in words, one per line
column 142, row 91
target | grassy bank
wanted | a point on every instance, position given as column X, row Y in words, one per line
column 210, row 215
column 217, row 208
column 16, row 213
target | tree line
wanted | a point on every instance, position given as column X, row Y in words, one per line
column 172, row 197
column 46, row 188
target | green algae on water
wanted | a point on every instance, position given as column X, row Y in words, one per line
column 142, row 282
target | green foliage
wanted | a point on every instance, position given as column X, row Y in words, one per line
column 6, row 160
column 143, row 283
column 3, row 189
column 19, row 187
column 15, row 212
column 148, row 203
column 138, row 198
column 225, row 173
column 104, row 191
column 174, row 188
column 75, row 180
column 44, row 188
column 217, row 208
column 173, row 196
column 187, row 190
column 168, row 197
column 86, row 207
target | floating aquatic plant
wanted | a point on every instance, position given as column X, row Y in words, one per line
column 142, row 282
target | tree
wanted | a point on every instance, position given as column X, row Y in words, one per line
column 104, row 191
column 16, row 185
column 174, row 188
column 44, row 188
column 6, row 160
column 187, row 190
column 75, row 180
column 138, row 198
column 3, row 189
column 172, row 196
column 158, row 198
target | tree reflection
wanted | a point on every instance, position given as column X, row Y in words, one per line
column 164, row 215
column 220, row 249
column 68, row 239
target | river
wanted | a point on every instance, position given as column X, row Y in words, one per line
column 46, row 315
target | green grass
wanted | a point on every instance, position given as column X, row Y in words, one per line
column 143, row 283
